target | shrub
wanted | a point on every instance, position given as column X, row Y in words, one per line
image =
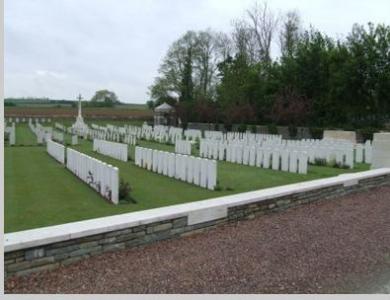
column 367, row 133
column 124, row 192
column 292, row 131
column 332, row 164
column 316, row 132
column 253, row 129
column 242, row 127
column 272, row 129
column 319, row 162
column 228, row 127
column 218, row 188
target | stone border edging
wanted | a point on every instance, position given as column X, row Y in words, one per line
column 196, row 212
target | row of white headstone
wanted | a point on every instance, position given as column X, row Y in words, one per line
column 22, row 120
column 183, row 147
column 277, row 159
column 250, row 138
column 213, row 135
column 193, row 134
column 195, row 170
column 102, row 177
column 130, row 139
column 42, row 133
column 59, row 126
column 115, row 150
column 116, row 135
column 343, row 152
column 363, row 152
column 56, row 150
column 58, row 136
column 10, row 130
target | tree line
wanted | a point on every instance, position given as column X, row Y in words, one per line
column 316, row 80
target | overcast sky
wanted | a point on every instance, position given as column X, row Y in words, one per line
column 60, row 48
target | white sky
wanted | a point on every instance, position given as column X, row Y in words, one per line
column 59, row 48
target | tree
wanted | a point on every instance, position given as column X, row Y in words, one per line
column 289, row 34
column 290, row 108
column 193, row 56
column 187, row 86
column 104, row 98
column 263, row 23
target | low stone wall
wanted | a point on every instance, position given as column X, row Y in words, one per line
column 47, row 248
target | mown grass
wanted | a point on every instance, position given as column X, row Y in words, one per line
column 40, row 192
column 24, row 136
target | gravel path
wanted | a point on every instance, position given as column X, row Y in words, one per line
column 326, row 247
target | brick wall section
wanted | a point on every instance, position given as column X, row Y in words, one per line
column 50, row 256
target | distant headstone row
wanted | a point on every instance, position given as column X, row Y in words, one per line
column 115, row 150
column 42, row 133
column 58, row 136
column 183, row 147
column 193, row 134
column 288, row 160
column 28, row 119
column 60, row 127
column 166, row 134
column 198, row 171
column 109, row 133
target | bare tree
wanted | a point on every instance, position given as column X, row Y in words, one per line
column 206, row 60
column 263, row 24
column 224, row 45
column 290, row 32
column 243, row 40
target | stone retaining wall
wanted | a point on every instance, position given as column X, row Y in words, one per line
column 21, row 259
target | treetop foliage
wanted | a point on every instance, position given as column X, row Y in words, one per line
column 316, row 81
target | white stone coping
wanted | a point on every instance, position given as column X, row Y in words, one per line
column 197, row 212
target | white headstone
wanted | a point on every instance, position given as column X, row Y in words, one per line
column 381, row 150
column 293, row 167
column 275, row 160
column 285, row 160
column 266, row 158
column 359, row 153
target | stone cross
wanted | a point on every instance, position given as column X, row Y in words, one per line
column 79, row 98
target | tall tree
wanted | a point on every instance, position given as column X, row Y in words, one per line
column 289, row 34
column 195, row 55
column 187, row 86
column 263, row 23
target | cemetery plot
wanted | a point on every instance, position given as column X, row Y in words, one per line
column 39, row 191
column 63, row 201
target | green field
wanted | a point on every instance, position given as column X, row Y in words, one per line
column 40, row 192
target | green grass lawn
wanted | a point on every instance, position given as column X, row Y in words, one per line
column 40, row 192
column 24, row 135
